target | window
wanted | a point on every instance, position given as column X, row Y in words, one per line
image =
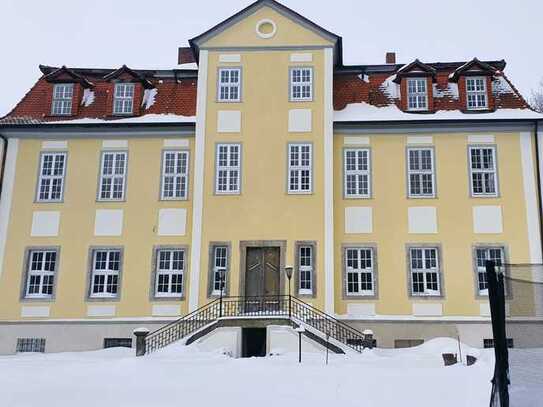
column 117, row 343
column 228, row 169
column 476, row 94
column 220, row 265
column 175, row 174
column 170, row 269
column 51, row 179
column 299, row 168
column 301, row 84
column 62, row 99
column 407, row 343
column 357, row 173
column 229, row 85
column 489, row 343
column 30, row 345
column 484, row 180
column 305, row 269
column 420, row 172
column 482, row 254
column 123, row 102
column 112, row 176
column 106, row 269
column 424, row 271
column 41, row 273
column 417, row 94
column 359, row 271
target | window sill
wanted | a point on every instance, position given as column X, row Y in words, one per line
column 38, row 299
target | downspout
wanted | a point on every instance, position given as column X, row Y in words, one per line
column 538, row 182
column 3, row 167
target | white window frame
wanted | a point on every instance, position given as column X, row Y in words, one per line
column 51, row 177
column 306, row 270
column 231, row 172
column 170, row 272
column 225, row 89
column 63, row 94
column 479, row 94
column 113, row 176
column 107, row 273
column 418, row 96
column 124, row 94
column 359, row 173
column 426, row 272
column 484, row 173
column 178, row 173
column 218, row 267
column 42, row 273
column 362, row 270
column 298, row 76
column 296, row 168
column 489, row 253
column 420, row 173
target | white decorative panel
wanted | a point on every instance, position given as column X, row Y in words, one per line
column 487, row 219
column 54, row 145
column 45, row 224
column 182, row 142
column 166, row 310
column 101, row 310
column 422, row 219
column 420, row 140
column 228, row 121
column 481, row 139
column 484, row 309
column 356, row 141
column 359, row 310
column 359, row 220
column 228, row 58
column 299, row 120
column 427, row 309
column 33, row 312
column 108, row 222
column 172, row 222
column 305, row 57
column 115, row 144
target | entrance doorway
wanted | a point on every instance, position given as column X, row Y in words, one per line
column 262, row 275
column 253, row 342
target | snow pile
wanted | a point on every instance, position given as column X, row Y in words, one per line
column 500, row 85
column 390, row 88
column 149, row 98
column 451, row 91
column 185, row 375
column 88, row 97
column 148, row 118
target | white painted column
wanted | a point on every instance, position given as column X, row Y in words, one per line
column 328, row 182
column 7, row 196
column 530, row 196
column 198, row 196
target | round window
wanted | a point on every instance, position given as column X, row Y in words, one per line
column 266, row 28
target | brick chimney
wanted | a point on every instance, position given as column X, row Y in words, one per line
column 390, row 58
column 185, row 56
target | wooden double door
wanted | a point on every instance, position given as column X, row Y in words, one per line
column 263, row 268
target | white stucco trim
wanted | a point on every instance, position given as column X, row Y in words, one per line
column 54, row 145
column 328, row 183
column 530, row 197
column 101, row 310
column 171, row 143
column 197, row 208
column 481, row 139
column 35, row 312
column 415, row 140
column 356, row 141
column 7, row 196
column 115, row 144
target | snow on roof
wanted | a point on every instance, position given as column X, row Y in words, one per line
column 363, row 112
column 145, row 119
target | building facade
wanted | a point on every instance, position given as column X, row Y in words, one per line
column 127, row 192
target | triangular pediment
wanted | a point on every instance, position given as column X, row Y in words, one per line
column 125, row 73
column 473, row 67
column 64, row 75
column 415, row 68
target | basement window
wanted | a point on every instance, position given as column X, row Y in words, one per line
column 117, row 343
column 30, row 345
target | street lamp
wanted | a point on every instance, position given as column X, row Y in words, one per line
column 222, row 275
column 288, row 272
column 300, row 331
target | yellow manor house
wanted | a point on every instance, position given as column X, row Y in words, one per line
column 263, row 185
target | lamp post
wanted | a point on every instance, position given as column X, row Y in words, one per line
column 300, row 331
column 288, row 272
column 221, row 286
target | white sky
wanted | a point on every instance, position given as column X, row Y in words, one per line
column 146, row 34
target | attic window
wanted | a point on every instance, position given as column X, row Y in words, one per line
column 266, row 28
column 476, row 94
column 417, row 94
column 124, row 98
column 62, row 99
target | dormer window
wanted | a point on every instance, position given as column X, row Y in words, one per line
column 62, row 99
column 476, row 94
column 417, row 94
column 123, row 103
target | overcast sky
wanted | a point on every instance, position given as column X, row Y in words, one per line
column 146, row 34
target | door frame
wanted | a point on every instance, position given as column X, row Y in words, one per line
column 244, row 244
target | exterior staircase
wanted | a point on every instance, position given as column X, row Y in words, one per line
column 317, row 323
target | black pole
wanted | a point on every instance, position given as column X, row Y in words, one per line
column 496, row 296
column 289, row 301
column 299, row 347
column 327, row 344
column 220, row 298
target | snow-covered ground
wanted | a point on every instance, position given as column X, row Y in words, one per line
column 187, row 376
